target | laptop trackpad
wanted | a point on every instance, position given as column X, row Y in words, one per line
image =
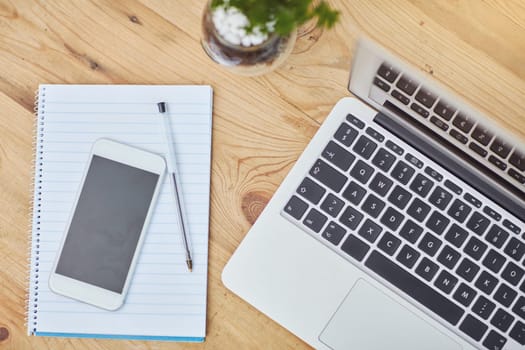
column 368, row 319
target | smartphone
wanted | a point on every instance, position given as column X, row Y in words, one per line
column 107, row 225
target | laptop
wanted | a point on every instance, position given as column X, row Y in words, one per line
column 401, row 226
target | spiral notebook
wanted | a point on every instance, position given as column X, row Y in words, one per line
column 165, row 301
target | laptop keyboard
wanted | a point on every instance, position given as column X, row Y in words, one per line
column 453, row 124
column 397, row 215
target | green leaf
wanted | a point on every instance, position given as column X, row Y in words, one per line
column 287, row 14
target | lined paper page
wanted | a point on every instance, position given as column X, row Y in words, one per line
column 164, row 299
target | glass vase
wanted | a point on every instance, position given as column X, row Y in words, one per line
column 244, row 60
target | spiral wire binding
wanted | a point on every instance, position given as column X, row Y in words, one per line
column 35, row 207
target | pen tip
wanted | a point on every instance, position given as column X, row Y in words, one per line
column 162, row 107
column 190, row 265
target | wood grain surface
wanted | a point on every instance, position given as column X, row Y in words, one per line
column 476, row 48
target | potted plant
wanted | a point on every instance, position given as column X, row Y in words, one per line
column 255, row 36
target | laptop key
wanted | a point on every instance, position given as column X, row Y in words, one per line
column 478, row 149
column 407, row 85
column 437, row 222
column 474, row 328
column 501, row 147
column 388, row 72
column 518, row 160
column 425, row 97
column 440, row 197
column 333, row 233
column 392, row 218
column 445, row 281
column 505, row 295
column 458, row 136
column 478, row 223
column 449, row 257
column 338, row 156
column 421, row 185
column 444, row 110
column 351, row 218
column 439, row 123
column 394, row 148
column 362, row 171
column 492, row 213
column 314, row 220
column 483, row 307
column 419, row 110
column 464, row 294
column 411, row 231
column 486, row 282
column 518, row 332
column 399, row 197
column 370, row 231
column 355, row 121
column 354, row 193
column 400, row 97
column 328, row 175
column 355, row 247
column 414, row 288
column 456, row 235
column 408, row 256
column 332, row 205
column 463, row 122
column 511, row 226
column 517, row 176
column 467, row 269
column 310, row 190
column 418, row 210
column 512, row 273
column 472, row 200
column 375, row 134
column 346, row 134
column 427, row 269
column 515, row 249
column 459, row 210
column 381, row 84
column 383, row 160
column 296, row 207
column 402, row 172
column 498, row 162
column 482, row 135
column 494, row 341
column 380, row 184
column 429, row 244
column 433, row 174
column 364, row 147
column 475, row 248
column 494, row 261
column 373, row 206
column 502, row 320
column 497, row 236
column 389, row 243
column 453, row 187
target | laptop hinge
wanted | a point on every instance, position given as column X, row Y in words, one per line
column 453, row 159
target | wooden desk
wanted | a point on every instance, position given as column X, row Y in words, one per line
column 261, row 124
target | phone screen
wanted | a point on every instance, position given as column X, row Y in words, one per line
column 106, row 224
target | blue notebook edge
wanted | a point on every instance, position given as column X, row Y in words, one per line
column 122, row 337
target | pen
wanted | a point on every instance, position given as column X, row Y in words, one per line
column 172, row 171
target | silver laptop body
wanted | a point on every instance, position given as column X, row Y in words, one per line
column 401, row 226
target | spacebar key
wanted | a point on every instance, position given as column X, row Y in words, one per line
column 414, row 287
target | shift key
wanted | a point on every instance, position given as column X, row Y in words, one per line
column 415, row 288
column 328, row 175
